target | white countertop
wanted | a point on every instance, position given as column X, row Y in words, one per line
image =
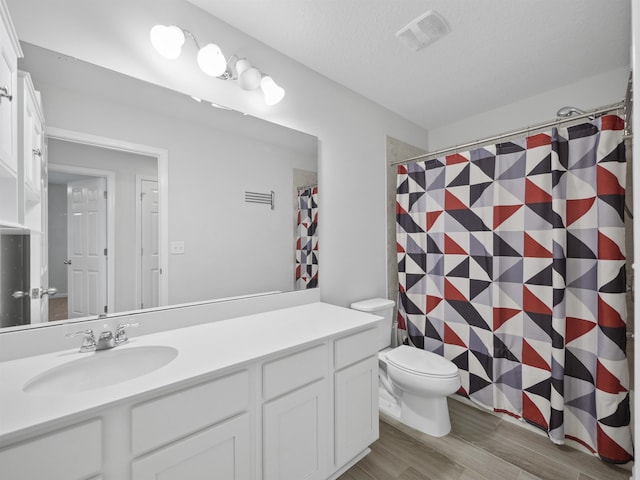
column 203, row 350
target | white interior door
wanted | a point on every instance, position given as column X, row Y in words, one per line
column 38, row 257
column 149, row 252
column 87, row 247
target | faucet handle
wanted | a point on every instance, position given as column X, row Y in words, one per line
column 88, row 340
column 121, row 333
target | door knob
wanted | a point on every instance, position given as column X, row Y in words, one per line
column 4, row 92
column 41, row 292
column 19, row 294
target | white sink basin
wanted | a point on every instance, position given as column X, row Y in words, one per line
column 101, row 369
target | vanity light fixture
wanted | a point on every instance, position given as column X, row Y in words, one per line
column 169, row 40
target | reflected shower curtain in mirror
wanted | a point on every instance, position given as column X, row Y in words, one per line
column 511, row 264
column 307, row 238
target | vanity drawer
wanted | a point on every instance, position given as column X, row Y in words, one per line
column 355, row 347
column 161, row 421
column 68, row 454
column 293, row 371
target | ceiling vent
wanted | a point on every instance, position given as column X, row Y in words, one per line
column 422, row 31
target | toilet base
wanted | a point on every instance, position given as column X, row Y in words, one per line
column 387, row 404
column 429, row 415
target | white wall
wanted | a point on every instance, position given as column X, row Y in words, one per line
column 126, row 166
column 231, row 247
column 57, row 205
column 588, row 94
column 351, row 130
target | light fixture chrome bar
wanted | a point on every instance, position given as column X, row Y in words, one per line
column 515, row 133
column 187, row 33
column 263, row 198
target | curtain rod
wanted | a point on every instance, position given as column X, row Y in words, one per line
column 514, row 133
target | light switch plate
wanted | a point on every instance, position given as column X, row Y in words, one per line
column 177, row 247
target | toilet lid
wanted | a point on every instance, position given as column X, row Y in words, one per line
column 421, row 362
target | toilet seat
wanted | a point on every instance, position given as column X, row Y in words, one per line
column 421, row 362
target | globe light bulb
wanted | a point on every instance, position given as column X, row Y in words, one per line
column 242, row 65
column 250, row 79
column 211, row 60
column 167, row 40
column 273, row 93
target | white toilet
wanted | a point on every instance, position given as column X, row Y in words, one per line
column 414, row 383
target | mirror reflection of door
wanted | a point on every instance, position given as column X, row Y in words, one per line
column 149, row 274
column 77, row 231
column 122, row 171
column 87, row 247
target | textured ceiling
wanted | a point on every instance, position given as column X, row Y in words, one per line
column 498, row 51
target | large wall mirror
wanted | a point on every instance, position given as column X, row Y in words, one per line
column 166, row 159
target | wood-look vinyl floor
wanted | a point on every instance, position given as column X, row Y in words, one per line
column 58, row 308
column 481, row 446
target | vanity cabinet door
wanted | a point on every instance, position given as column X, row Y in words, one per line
column 295, row 434
column 222, row 452
column 73, row 453
column 356, row 409
column 30, row 133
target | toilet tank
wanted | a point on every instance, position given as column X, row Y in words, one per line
column 384, row 308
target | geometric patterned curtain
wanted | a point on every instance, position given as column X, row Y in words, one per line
column 511, row 264
column 307, row 239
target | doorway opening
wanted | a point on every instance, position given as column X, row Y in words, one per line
column 82, row 168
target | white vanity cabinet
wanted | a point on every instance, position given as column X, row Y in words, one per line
column 280, row 404
column 9, row 53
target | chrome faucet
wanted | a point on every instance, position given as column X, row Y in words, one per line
column 88, row 341
column 121, row 334
column 106, row 340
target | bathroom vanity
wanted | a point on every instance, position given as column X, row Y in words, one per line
column 286, row 394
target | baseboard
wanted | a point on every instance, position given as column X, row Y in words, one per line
column 350, row 464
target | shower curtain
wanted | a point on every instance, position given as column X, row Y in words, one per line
column 511, row 264
column 307, row 238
